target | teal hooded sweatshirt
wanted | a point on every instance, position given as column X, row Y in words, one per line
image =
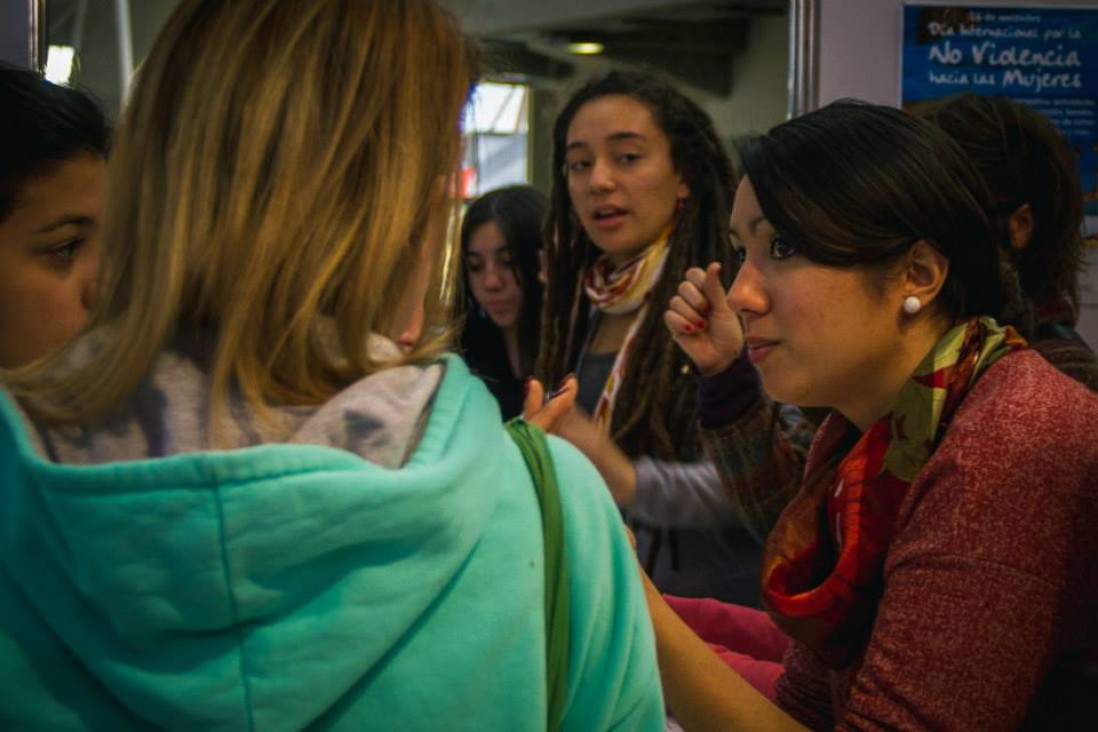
column 301, row 586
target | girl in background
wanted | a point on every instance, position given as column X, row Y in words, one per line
column 1032, row 173
column 53, row 185
column 500, row 245
column 642, row 190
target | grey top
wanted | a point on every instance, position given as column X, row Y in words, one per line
column 169, row 414
column 689, row 536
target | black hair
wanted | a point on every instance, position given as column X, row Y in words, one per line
column 858, row 184
column 43, row 125
column 650, row 408
column 1024, row 159
column 519, row 212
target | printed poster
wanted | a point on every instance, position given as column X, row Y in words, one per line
column 1044, row 57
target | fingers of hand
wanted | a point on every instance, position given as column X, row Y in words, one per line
column 682, row 318
column 693, row 296
column 712, row 287
column 532, row 402
column 546, row 411
column 566, row 393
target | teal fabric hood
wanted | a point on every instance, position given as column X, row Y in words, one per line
column 280, row 586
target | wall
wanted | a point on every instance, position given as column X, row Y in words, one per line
column 14, row 21
column 100, row 71
column 859, row 56
column 760, row 86
column 497, row 16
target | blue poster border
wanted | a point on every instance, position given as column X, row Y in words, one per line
column 1043, row 56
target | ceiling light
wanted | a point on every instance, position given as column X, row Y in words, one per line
column 585, row 48
column 59, row 62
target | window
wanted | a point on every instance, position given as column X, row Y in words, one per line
column 496, row 127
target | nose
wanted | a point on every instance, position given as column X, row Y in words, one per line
column 493, row 277
column 89, row 280
column 748, row 296
column 602, row 175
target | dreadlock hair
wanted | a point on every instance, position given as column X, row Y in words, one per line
column 650, row 408
column 1023, row 158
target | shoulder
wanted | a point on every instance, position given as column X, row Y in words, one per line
column 1024, row 409
column 1013, row 479
column 614, row 679
column 586, row 501
column 1071, row 356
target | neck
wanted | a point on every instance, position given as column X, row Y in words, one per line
column 510, row 340
column 620, row 260
column 876, row 399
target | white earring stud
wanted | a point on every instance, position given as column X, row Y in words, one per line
column 912, row 304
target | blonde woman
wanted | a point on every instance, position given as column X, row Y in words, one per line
column 234, row 502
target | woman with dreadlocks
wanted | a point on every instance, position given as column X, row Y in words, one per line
column 642, row 191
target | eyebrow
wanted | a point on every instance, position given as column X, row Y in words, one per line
column 615, row 137
column 751, row 226
column 66, row 220
column 505, row 247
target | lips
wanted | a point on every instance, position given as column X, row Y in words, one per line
column 759, row 348
column 606, row 217
column 498, row 306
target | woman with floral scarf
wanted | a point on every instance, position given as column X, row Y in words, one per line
column 936, row 568
column 642, row 190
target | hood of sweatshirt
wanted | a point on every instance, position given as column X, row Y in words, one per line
column 222, row 589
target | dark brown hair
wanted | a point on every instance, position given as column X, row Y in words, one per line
column 856, row 184
column 651, row 410
column 1024, row 159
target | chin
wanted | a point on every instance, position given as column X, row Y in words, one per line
column 787, row 391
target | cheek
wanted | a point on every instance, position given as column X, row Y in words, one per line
column 38, row 314
column 510, row 281
column 575, row 190
column 476, row 286
column 814, row 312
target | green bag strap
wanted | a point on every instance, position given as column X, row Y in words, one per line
column 535, row 451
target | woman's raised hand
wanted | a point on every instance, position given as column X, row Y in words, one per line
column 547, row 411
column 700, row 320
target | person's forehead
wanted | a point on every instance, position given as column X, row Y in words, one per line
column 611, row 118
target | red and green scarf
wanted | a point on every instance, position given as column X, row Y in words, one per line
column 823, row 565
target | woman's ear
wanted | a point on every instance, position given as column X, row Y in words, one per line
column 1020, row 224
column 924, row 276
column 682, row 192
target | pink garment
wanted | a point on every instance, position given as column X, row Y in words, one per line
column 745, row 638
column 987, row 621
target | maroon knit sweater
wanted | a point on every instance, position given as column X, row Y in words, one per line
column 989, row 618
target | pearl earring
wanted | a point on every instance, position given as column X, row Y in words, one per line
column 912, row 304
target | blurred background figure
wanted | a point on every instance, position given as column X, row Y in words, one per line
column 1034, row 180
column 501, row 238
column 53, row 181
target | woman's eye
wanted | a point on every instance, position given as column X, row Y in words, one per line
column 474, row 267
column 780, row 249
column 628, row 158
column 576, row 166
column 63, row 254
column 739, row 254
